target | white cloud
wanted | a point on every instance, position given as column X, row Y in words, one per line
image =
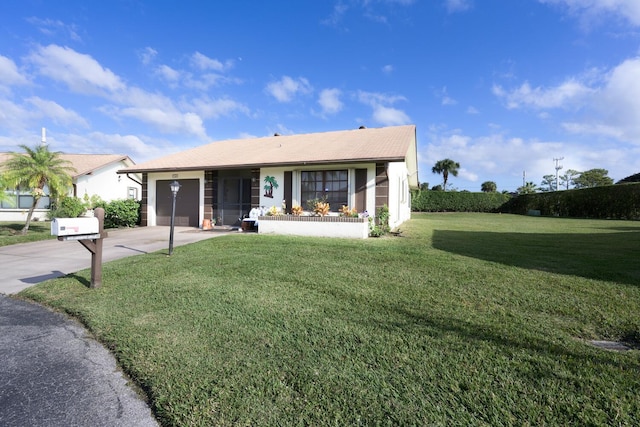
column 590, row 10
column 215, row 108
column 609, row 102
column 445, row 98
column 457, row 5
column 80, row 72
column 618, row 101
column 389, row 116
column 56, row 112
column 570, row 91
column 497, row 157
column 383, row 111
column 169, row 74
column 286, row 88
column 169, row 121
column 51, row 27
column 147, row 55
column 472, row 110
column 388, row 69
column 339, row 10
column 203, row 62
column 329, row 100
column 13, row 116
column 9, row 74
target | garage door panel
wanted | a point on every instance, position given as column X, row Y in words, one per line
column 187, row 203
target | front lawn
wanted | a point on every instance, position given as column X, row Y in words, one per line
column 467, row 319
column 10, row 232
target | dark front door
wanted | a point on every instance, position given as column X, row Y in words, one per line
column 187, row 206
column 236, row 199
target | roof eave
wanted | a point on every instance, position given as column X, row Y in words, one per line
column 264, row 165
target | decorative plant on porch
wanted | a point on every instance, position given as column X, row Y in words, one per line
column 296, row 210
column 346, row 211
column 322, row 208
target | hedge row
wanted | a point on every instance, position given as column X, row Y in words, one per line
column 117, row 213
column 453, row 201
column 607, row 202
column 121, row 213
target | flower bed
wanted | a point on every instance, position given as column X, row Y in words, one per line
column 317, row 226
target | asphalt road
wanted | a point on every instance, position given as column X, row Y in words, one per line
column 52, row 373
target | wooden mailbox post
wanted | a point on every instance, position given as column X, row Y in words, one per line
column 89, row 232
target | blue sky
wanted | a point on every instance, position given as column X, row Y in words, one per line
column 501, row 86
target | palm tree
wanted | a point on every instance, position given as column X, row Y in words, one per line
column 4, row 197
column 528, row 188
column 36, row 168
column 489, row 187
column 446, row 167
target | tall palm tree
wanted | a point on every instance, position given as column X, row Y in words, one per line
column 446, row 167
column 36, row 168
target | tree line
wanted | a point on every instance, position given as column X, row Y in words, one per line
column 570, row 179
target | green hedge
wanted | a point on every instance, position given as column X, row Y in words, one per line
column 67, row 207
column 121, row 213
column 606, row 202
column 453, row 201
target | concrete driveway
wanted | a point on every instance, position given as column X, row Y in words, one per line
column 30, row 263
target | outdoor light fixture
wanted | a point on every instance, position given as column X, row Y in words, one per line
column 175, row 187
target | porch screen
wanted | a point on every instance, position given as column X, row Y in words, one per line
column 331, row 186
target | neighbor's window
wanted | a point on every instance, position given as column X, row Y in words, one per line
column 132, row 193
column 332, row 186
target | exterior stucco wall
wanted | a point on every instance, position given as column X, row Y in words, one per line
column 107, row 184
column 399, row 194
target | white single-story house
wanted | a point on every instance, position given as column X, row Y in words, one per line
column 96, row 174
column 223, row 181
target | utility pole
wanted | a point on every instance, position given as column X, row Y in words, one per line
column 558, row 167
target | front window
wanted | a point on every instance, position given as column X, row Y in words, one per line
column 332, row 186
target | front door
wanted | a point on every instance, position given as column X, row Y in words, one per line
column 236, row 199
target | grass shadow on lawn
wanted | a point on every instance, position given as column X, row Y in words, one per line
column 510, row 339
column 585, row 255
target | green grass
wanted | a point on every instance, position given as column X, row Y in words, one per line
column 468, row 319
column 10, row 232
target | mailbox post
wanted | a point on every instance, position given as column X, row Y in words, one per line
column 89, row 232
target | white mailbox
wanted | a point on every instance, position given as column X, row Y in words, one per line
column 74, row 226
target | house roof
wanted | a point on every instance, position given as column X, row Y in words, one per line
column 397, row 143
column 85, row 163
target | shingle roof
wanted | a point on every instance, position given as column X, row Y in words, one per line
column 358, row 145
column 84, row 163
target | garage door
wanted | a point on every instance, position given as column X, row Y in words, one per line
column 187, row 206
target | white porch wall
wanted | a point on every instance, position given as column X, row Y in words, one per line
column 152, row 178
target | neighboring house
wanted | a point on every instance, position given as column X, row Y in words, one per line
column 96, row 174
column 361, row 168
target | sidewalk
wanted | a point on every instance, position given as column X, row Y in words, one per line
column 52, row 372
